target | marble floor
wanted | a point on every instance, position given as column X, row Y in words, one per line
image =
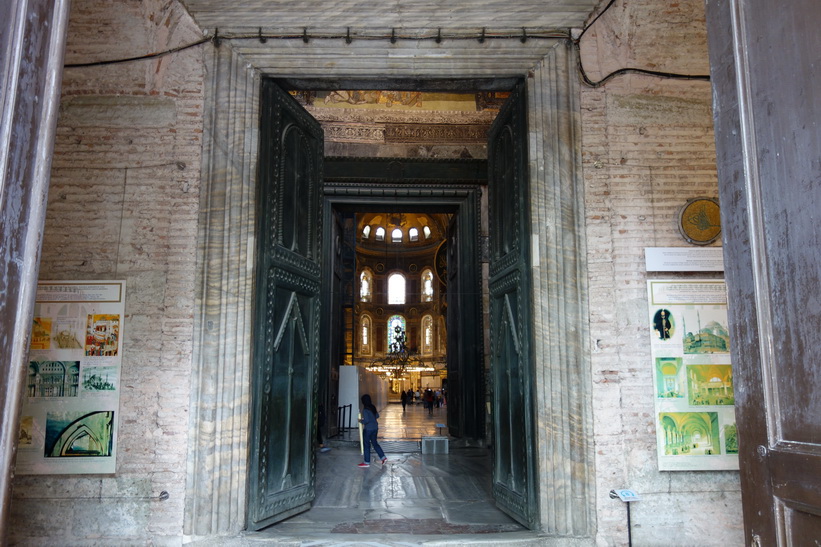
column 413, row 499
column 398, row 426
column 412, row 423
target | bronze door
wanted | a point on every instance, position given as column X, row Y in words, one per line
column 286, row 317
column 514, row 462
column 454, row 319
column 767, row 133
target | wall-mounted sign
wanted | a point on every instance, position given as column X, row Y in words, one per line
column 71, row 409
column 684, row 259
column 693, row 377
column 626, row 495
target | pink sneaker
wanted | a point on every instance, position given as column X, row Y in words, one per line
column 363, row 464
column 384, row 461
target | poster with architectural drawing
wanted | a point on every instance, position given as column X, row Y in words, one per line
column 692, row 375
column 71, row 407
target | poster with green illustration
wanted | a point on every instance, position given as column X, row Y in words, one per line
column 692, row 385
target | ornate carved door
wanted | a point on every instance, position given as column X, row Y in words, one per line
column 455, row 406
column 286, row 318
column 514, row 461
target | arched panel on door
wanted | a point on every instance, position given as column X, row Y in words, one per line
column 512, row 371
column 286, row 319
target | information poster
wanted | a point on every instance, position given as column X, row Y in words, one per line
column 692, row 375
column 70, row 412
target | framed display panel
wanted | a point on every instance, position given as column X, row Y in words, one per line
column 71, row 409
column 692, row 375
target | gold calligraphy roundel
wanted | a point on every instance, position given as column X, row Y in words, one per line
column 700, row 221
column 440, row 262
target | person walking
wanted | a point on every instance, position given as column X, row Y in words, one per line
column 429, row 400
column 404, row 398
column 370, row 428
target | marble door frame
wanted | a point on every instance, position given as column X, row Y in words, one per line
column 220, row 391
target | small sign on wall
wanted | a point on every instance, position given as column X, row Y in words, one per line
column 71, row 408
column 684, row 259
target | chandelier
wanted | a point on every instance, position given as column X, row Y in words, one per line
column 399, row 361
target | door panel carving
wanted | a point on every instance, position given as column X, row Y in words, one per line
column 514, row 483
column 286, row 330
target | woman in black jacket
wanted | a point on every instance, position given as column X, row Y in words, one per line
column 370, row 427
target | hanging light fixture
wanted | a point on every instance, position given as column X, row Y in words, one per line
column 399, row 361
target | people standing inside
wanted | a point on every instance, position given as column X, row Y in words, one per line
column 370, row 428
column 404, row 398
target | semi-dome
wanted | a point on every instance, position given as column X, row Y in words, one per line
column 400, row 230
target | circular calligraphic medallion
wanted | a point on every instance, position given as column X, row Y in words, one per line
column 440, row 262
column 700, row 221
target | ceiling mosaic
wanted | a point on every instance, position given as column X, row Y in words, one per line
column 403, row 100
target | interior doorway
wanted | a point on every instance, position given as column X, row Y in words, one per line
column 367, row 248
column 289, row 314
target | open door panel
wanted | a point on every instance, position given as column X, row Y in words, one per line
column 514, row 458
column 286, row 318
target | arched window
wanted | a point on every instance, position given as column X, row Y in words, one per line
column 366, row 232
column 365, row 333
column 427, row 285
column 393, row 322
column 396, row 289
column 413, row 234
column 396, row 235
column 441, row 336
column 427, row 335
column 365, row 286
column 380, row 234
column 426, row 231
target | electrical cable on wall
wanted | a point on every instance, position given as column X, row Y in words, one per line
column 348, row 37
column 140, row 57
column 394, row 37
column 590, row 83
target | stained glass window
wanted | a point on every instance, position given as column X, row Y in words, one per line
column 427, row 335
column 365, row 286
column 393, row 322
column 427, row 285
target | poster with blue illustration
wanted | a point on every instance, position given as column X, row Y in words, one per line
column 71, row 409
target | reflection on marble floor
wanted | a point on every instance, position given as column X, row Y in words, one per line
column 403, row 428
column 412, row 495
column 411, row 424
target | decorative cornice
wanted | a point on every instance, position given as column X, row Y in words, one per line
column 436, row 133
column 344, row 132
column 384, row 116
column 426, row 133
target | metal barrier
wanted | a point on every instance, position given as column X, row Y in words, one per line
column 344, row 412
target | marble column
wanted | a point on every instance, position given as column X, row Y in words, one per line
column 218, row 444
column 560, row 330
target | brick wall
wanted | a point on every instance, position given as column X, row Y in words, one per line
column 123, row 204
column 647, row 148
